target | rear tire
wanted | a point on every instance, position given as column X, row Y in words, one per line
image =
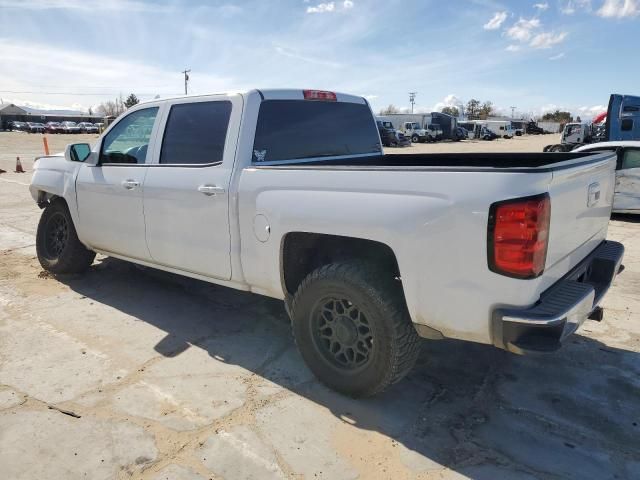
column 415, row 138
column 352, row 327
column 57, row 244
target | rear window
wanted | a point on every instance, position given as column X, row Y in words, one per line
column 196, row 133
column 295, row 129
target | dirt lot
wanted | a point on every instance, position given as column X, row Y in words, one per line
column 131, row 373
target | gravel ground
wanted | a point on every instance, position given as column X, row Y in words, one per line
column 126, row 372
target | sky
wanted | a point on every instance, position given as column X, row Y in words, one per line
column 535, row 56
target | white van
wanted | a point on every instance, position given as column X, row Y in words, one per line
column 502, row 128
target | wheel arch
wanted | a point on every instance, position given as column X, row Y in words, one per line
column 303, row 252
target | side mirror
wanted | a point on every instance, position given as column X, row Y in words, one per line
column 77, row 152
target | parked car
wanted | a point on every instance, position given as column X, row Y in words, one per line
column 53, row 127
column 69, row 127
column 461, row 133
column 16, row 126
column 35, row 127
column 288, row 193
column 487, row 134
column 87, row 127
column 390, row 137
column 627, row 190
column 435, row 132
column 532, row 128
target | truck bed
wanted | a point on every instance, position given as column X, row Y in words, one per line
column 454, row 160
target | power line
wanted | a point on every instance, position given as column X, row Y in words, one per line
column 412, row 99
column 186, row 79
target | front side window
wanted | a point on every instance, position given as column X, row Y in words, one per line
column 128, row 140
column 196, row 133
column 631, row 159
column 300, row 129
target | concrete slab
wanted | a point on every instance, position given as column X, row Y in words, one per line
column 239, row 454
column 49, row 444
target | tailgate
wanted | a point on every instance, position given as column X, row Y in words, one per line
column 581, row 201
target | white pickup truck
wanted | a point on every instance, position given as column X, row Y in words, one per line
column 287, row 193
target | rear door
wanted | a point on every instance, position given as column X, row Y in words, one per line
column 627, row 191
column 186, row 201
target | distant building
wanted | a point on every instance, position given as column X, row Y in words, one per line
column 13, row 113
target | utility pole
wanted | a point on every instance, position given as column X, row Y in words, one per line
column 412, row 99
column 512, row 110
column 186, row 79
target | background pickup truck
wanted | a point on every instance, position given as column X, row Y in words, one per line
column 287, row 193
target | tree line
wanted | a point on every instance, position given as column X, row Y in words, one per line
column 474, row 110
column 113, row 108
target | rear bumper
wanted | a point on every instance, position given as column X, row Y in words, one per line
column 562, row 308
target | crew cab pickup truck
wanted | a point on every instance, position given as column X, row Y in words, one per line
column 287, row 193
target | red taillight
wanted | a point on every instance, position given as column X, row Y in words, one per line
column 319, row 95
column 518, row 236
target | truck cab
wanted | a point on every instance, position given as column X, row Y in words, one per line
column 416, row 133
column 389, row 136
column 576, row 133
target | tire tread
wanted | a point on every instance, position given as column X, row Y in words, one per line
column 388, row 294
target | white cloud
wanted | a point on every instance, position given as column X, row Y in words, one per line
column 569, row 7
column 450, row 100
column 541, row 6
column 522, row 30
column 347, row 4
column 305, row 58
column 557, row 57
column 512, row 48
column 322, row 8
column 619, row 8
column 547, row 39
column 495, row 22
column 82, row 78
column 592, row 111
column 85, row 5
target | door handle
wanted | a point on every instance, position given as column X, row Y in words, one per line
column 130, row 184
column 210, row 190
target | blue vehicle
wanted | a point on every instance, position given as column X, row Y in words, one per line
column 622, row 124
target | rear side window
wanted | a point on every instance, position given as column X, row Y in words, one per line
column 298, row 129
column 195, row 133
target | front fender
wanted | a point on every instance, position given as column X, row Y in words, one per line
column 54, row 176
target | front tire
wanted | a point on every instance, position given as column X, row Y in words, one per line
column 352, row 328
column 57, row 244
column 415, row 138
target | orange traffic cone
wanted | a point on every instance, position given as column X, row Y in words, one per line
column 19, row 168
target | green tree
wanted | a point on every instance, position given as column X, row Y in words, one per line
column 558, row 116
column 389, row 109
column 453, row 111
column 486, row 110
column 473, row 109
column 131, row 101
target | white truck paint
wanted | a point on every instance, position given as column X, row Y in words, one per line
column 257, row 221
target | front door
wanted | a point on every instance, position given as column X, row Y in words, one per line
column 186, row 201
column 110, row 193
